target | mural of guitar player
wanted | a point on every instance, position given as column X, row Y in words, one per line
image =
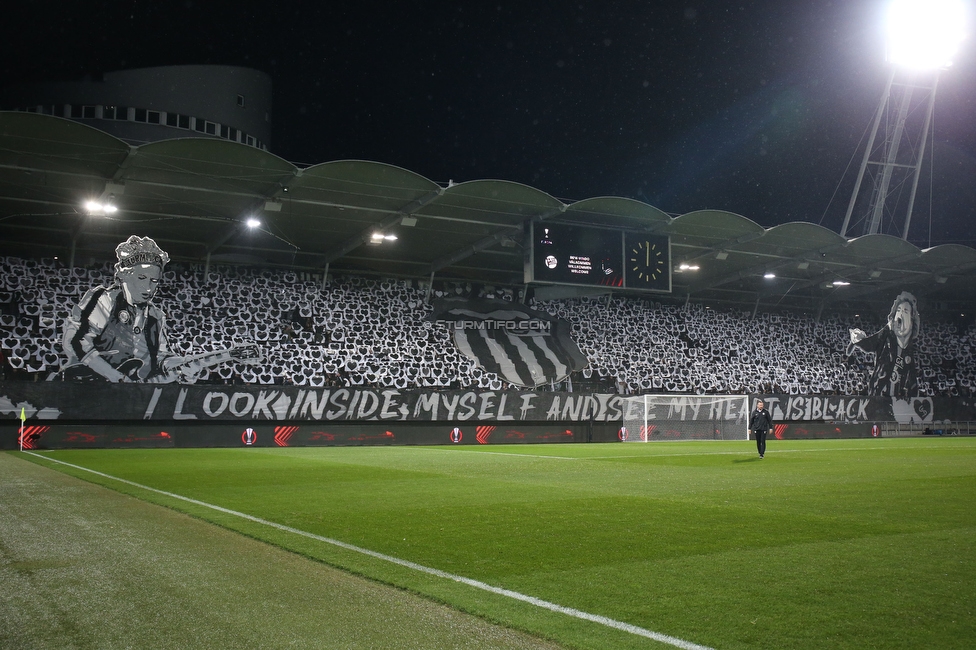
column 895, row 373
column 117, row 334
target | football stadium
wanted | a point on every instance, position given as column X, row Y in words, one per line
column 251, row 403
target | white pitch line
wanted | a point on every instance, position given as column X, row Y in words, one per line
column 477, row 584
column 497, row 453
column 686, row 453
column 753, row 453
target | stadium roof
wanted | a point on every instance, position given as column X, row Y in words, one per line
column 194, row 195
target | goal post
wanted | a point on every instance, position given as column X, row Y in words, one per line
column 648, row 418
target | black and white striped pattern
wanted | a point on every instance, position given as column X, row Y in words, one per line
column 527, row 357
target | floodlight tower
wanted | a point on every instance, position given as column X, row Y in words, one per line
column 922, row 38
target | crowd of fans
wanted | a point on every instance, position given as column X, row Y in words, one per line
column 355, row 331
column 694, row 349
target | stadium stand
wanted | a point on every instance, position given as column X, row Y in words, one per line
column 360, row 331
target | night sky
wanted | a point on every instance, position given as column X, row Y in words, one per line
column 756, row 107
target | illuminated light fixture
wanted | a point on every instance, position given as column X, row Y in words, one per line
column 769, row 276
column 921, row 39
column 925, row 34
column 840, row 283
column 379, row 237
column 688, row 267
column 252, row 222
column 96, row 207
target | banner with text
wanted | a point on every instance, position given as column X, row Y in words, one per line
column 85, row 401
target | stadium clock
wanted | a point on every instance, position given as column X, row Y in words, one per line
column 647, row 262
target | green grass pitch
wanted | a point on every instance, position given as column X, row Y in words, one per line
column 822, row 544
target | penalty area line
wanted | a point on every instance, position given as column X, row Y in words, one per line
column 495, row 453
column 477, row 584
column 753, row 453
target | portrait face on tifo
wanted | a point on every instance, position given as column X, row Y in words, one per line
column 901, row 324
column 140, row 282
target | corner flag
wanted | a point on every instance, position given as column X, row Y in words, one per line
column 23, row 417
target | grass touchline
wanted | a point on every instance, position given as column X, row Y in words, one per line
column 477, row 584
column 830, row 548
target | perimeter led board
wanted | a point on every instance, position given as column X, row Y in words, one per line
column 563, row 254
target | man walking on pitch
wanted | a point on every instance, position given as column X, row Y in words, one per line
column 760, row 422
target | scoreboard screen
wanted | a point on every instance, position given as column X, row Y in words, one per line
column 597, row 257
column 563, row 254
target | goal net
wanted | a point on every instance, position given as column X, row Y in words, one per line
column 649, row 418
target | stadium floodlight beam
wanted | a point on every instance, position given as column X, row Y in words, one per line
column 924, row 34
column 922, row 38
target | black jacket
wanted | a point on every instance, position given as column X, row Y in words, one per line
column 760, row 420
